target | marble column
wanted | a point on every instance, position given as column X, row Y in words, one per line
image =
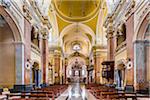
column 110, row 46
column 87, row 65
column 19, row 64
column 45, row 57
column 65, row 72
column 139, row 62
column 57, row 66
column 97, row 66
column 129, row 73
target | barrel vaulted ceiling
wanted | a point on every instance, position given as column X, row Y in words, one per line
column 77, row 21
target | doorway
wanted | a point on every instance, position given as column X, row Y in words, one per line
column 35, row 74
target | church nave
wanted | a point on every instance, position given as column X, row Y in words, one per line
column 74, row 49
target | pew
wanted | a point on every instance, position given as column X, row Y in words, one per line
column 40, row 93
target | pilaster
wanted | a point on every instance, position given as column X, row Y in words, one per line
column 44, row 48
column 57, row 62
column 19, row 63
column 139, row 62
column 99, row 56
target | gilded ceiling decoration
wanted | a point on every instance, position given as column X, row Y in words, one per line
column 77, row 10
column 77, row 20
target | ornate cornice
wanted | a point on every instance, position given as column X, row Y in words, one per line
column 108, row 21
column 122, row 12
column 130, row 10
column 44, row 19
column 26, row 11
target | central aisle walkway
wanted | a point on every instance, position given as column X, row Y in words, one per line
column 76, row 91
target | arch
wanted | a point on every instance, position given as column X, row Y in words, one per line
column 16, row 56
column 100, row 33
column 74, row 55
column 109, row 5
column 72, row 61
column 141, row 45
column 143, row 24
column 86, row 28
column 69, row 37
column 7, row 55
column 9, row 19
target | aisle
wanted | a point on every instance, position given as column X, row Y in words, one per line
column 76, row 91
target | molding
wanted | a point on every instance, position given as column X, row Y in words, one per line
column 84, row 19
column 35, row 49
column 120, row 48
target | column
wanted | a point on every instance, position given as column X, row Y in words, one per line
column 139, row 62
column 65, row 72
column 129, row 73
column 19, row 63
column 57, row 66
column 97, row 65
column 41, row 51
column 87, row 65
column 45, row 57
column 110, row 46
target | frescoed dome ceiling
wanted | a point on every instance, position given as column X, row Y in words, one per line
column 77, row 10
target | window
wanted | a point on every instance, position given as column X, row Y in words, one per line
column 83, row 72
column 76, row 47
column 70, row 72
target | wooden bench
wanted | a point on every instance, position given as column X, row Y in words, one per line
column 40, row 93
column 32, row 95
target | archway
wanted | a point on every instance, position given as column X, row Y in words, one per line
column 7, row 55
column 141, row 56
column 35, row 74
column 120, row 74
column 11, row 52
column 147, row 53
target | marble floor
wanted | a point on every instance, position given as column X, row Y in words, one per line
column 76, row 91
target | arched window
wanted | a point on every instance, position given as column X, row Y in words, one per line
column 76, row 47
column 70, row 72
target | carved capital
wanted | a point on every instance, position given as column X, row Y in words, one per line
column 45, row 36
column 110, row 32
column 44, row 33
column 57, row 52
column 109, row 35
